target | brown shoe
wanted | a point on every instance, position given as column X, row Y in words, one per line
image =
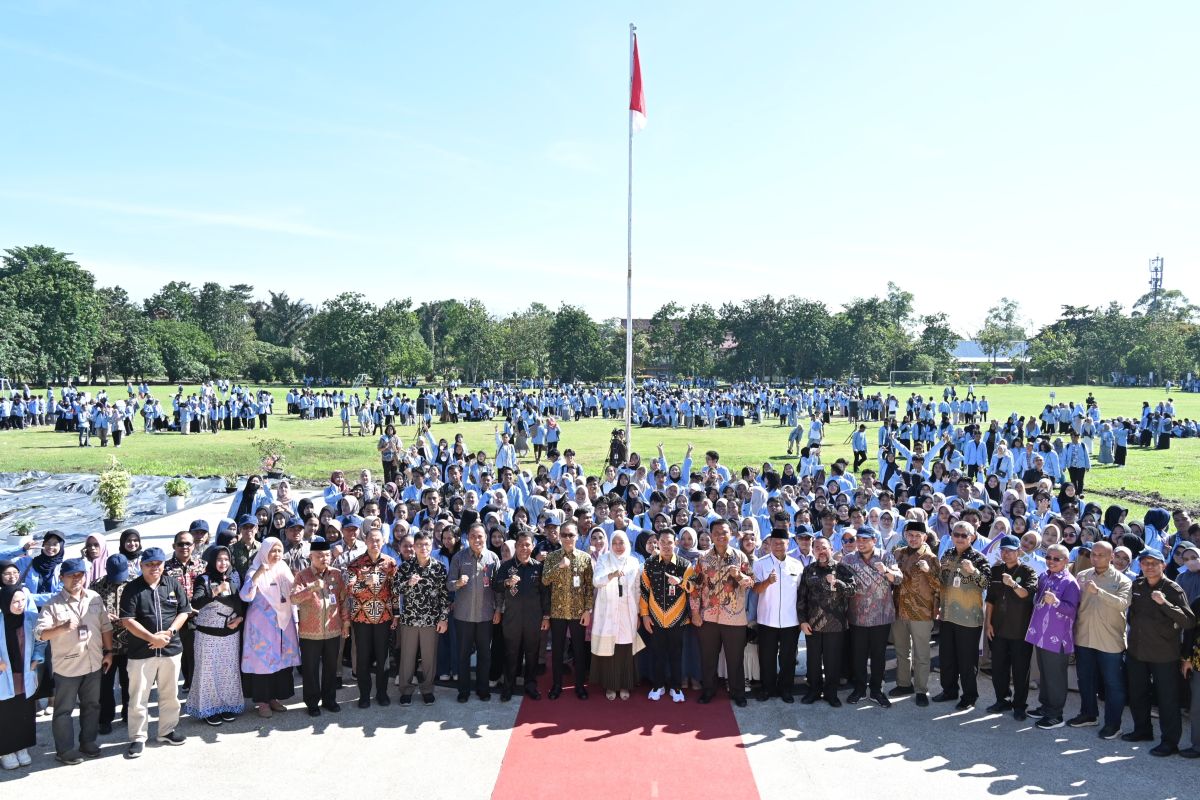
column 264, row 710
column 278, row 706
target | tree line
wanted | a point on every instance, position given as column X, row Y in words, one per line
column 56, row 323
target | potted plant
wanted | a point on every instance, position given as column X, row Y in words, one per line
column 113, row 492
column 271, row 454
column 231, row 482
column 177, row 490
column 22, row 531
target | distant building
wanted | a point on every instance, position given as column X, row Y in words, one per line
column 969, row 356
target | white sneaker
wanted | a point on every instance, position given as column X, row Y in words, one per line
column 9, row 761
column 23, row 758
column 677, row 696
column 656, row 694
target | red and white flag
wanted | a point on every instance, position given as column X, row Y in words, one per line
column 637, row 95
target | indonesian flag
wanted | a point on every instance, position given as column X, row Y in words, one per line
column 637, row 95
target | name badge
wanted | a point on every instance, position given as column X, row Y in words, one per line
column 84, row 633
column 671, row 590
column 575, row 581
column 957, row 582
column 486, row 581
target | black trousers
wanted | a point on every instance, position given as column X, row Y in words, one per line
column 869, row 643
column 477, row 635
column 825, row 661
column 187, row 660
column 559, row 628
column 666, row 648
column 1077, row 474
column 777, row 658
column 1155, row 682
column 1119, row 452
column 521, row 640
column 118, row 673
column 371, row 656
column 319, row 669
column 731, row 639
column 1010, row 668
column 958, row 655
column 860, row 457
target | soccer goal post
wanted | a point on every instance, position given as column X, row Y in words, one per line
column 917, row 377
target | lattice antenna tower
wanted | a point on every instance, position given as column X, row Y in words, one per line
column 1156, row 282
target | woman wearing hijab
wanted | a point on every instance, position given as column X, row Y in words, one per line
column 615, row 639
column 250, row 497
column 131, row 547
column 40, row 573
column 216, row 694
column 95, row 553
column 271, row 646
column 21, row 655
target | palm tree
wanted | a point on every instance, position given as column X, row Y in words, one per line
column 281, row 320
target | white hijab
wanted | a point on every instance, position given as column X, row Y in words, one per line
column 610, row 562
column 275, row 585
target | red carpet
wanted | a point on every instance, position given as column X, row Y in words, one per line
column 600, row 748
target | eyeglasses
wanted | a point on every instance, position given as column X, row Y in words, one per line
column 960, row 536
column 1056, row 558
column 184, row 544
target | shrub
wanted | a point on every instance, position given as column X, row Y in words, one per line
column 113, row 489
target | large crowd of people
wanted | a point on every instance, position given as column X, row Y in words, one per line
column 681, row 579
column 216, row 406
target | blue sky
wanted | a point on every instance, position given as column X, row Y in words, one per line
column 1045, row 151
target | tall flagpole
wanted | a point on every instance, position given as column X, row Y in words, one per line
column 629, row 269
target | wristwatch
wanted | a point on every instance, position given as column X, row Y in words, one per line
column 108, row 652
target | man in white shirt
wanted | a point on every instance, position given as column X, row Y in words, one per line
column 776, row 581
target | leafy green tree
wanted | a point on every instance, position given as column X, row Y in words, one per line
column 18, row 340
column 865, row 337
column 806, row 330
column 934, row 347
column 402, row 351
column 340, row 337
column 185, row 350
column 1001, row 328
column 1161, row 347
column 60, row 297
column 177, row 300
column 1053, row 354
column 577, row 349
column 224, row 314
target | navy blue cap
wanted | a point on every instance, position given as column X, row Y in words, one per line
column 294, row 522
column 804, row 532
column 353, row 520
column 865, row 532
column 247, row 519
column 117, row 568
column 153, row 554
column 73, row 566
column 1150, row 552
column 199, row 525
column 1010, row 542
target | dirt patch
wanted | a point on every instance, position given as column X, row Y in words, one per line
column 1148, row 499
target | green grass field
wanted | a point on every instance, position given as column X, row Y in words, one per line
column 318, row 448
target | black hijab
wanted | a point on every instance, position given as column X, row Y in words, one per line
column 126, row 534
column 12, row 623
column 211, row 571
column 248, row 496
column 43, row 565
column 1112, row 516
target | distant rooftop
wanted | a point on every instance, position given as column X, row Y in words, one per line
column 969, row 351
